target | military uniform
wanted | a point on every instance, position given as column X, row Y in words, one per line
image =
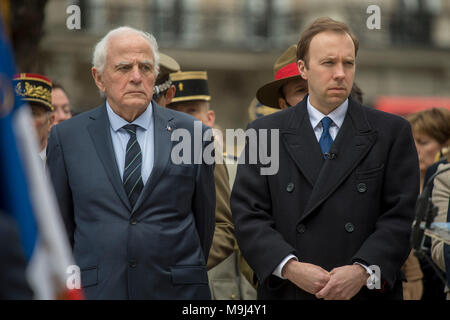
column 225, row 279
column 36, row 90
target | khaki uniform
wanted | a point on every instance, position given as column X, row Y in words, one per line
column 413, row 289
column 225, row 279
column 224, row 240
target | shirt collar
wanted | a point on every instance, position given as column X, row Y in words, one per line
column 337, row 115
column 117, row 122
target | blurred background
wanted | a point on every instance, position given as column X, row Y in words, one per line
column 237, row 43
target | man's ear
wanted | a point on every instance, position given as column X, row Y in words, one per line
column 98, row 79
column 52, row 120
column 170, row 93
column 211, row 116
column 282, row 103
column 302, row 69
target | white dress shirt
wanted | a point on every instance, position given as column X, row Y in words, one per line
column 144, row 135
column 337, row 115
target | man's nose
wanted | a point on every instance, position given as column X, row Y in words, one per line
column 136, row 74
column 339, row 71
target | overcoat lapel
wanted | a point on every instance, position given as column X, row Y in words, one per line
column 353, row 142
column 162, row 149
column 99, row 131
column 301, row 144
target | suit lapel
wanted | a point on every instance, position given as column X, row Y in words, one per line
column 162, row 149
column 301, row 144
column 99, row 131
column 353, row 142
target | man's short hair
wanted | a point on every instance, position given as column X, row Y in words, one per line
column 357, row 93
column 101, row 48
column 318, row 26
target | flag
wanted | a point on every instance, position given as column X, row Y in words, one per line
column 27, row 195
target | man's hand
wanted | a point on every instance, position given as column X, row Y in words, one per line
column 306, row 276
column 345, row 283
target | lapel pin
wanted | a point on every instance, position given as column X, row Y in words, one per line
column 169, row 128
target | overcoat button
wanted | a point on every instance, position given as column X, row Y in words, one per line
column 349, row 227
column 362, row 187
column 301, row 228
column 290, row 187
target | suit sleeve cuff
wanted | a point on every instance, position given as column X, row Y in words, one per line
column 279, row 268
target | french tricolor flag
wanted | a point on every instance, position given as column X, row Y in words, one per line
column 27, row 195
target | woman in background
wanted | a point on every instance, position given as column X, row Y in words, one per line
column 431, row 131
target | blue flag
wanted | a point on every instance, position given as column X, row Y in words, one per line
column 27, row 195
column 14, row 194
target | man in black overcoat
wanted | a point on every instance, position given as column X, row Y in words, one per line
column 334, row 221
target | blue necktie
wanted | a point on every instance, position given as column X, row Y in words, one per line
column 325, row 139
column 132, row 180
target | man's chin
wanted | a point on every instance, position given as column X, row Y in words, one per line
column 136, row 103
column 336, row 100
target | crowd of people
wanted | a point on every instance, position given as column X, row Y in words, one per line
column 340, row 206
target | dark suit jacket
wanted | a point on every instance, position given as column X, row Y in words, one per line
column 156, row 250
column 358, row 206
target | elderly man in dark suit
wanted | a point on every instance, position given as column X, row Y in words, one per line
column 141, row 226
column 342, row 201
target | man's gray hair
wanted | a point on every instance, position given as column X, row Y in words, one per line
column 99, row 57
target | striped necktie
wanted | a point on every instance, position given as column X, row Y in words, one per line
column 132, row 179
